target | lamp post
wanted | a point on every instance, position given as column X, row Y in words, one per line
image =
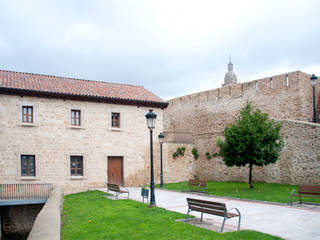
column 313, row 81
column 161, row 138
column 151, row 120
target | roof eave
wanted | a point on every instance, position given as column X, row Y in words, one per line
column 28, row 92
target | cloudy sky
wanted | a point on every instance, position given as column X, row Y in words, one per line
column 171, row 47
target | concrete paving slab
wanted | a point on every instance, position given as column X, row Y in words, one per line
column 288, row 222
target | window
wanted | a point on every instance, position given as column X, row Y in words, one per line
column 27, row 114
column 256, row 86
column 271, row 86
column 28, row 165
column 115, row 120
column 75, row 117
column 287, row 80
column 76, row 166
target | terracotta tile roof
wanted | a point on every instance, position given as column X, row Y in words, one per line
column 60, row 86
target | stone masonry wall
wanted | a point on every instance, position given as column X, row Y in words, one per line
column 202, row 117
column 299, row 162
column 210, row 111
column 19, row 218
column 52, row 140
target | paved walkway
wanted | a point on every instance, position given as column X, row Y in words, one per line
column 280, row 220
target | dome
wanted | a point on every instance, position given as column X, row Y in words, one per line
column 230, row 76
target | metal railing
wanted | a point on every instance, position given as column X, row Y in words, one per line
column 12, row 192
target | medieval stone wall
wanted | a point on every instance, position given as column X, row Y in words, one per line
column 200, row 118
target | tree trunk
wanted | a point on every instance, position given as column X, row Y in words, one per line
column 250, row 176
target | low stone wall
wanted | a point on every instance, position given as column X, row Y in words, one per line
column 48, row 223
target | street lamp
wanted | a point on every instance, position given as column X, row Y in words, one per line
column 313, row 81
column 151, row 120
column 161, row 138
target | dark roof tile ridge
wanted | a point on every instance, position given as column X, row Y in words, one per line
column 77, row 79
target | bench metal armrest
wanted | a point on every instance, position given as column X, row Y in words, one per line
column 228, row 210
column 125, row 189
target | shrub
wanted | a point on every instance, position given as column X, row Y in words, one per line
column 180, row 152
column 195, row 153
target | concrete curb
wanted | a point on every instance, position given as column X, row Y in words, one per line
column 47, row 225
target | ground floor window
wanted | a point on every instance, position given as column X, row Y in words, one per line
column 28, row 165
column 76, row 166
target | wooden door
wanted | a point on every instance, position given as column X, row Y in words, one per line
column 115, row 170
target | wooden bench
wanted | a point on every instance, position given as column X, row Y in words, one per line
column 116, row 188
column 198, row 185
column 213, row 208
column 305, row 191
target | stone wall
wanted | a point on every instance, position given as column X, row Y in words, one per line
column 48, row 222
column 53, row 140
column 200, row 118
column 299, row 162
column 210, row 111
column 19, row 219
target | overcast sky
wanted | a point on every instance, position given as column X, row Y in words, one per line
column 172, row 47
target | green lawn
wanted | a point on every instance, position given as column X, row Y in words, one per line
column 262, row 191
column 89, row 215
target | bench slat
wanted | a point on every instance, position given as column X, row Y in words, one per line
column 204, row 201
column 209, row 211
column 206, row 206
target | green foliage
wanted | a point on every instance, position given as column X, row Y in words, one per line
column 208, row 155
column 216, row 154
column 180, row 152
column 195, row 153
column 252, row 140
column 91, row 216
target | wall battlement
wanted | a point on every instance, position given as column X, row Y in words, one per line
column 284, row 96
column 283, row 82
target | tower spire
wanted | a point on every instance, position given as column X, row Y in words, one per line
column 230, row 76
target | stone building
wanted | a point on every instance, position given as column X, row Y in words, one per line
column 77, row 133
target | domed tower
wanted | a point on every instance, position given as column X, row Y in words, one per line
column 230, row 76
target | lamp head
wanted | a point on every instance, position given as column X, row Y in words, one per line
column 151, row 119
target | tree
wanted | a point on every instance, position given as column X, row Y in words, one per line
column 252, row 140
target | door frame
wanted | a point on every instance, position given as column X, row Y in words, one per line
column 123, row 167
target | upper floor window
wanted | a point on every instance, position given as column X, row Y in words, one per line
column 28, row 165
column 76, row 166
column 287, row 80
column 75, row 117
column 115, row 120
column 27, row 114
